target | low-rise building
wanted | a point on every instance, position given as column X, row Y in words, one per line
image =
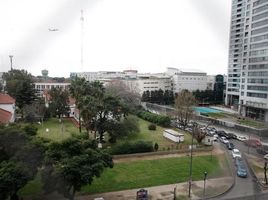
column 186, row 79
column 7, row 108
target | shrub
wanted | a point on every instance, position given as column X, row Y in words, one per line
column 30, row 130
column 160, row 120
column 133, row 147
column 152, row 127
column 156, row 146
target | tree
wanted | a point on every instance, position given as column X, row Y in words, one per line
column 198, row 133
column 20, row 85
column 59, row 104
column 72, row 164
column 123, row 128
column 21, row 156
column 77, row 91
column 128, row 95
column 13, row 176
column 184, row 105
column 35, row 111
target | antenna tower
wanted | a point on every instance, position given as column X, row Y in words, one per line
column 82, row 40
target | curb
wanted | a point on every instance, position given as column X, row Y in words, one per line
column 253, row 174
column 231, row 186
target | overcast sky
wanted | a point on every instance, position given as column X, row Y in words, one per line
column 147, row 35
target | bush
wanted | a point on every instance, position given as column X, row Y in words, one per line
column 30, row 130
column 133, row 147
column 160, row 120
column 152, row 127
column 156, row 146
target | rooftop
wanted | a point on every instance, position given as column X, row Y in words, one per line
column 6, row 99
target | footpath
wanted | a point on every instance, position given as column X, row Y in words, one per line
column 214, row 187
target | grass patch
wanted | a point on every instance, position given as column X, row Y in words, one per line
column 251, row 122
column 156, row 136
column 32, row 189
column 147, row 173
column 57, row 131
column 217, row 115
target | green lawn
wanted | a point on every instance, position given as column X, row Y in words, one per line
column 251, row 122
column 57, row 131
column 147, row 173
column 32, row 189
column 156, row 137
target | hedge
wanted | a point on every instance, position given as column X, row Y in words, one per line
column 160, row 120
column 133, row 147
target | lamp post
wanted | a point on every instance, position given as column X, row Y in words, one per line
column 205, row 178
column 191, row 164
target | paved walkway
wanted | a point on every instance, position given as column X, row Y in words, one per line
column 166, row 192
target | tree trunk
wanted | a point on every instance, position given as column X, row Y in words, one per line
column 14, row 197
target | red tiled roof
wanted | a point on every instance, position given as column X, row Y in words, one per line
column 5, row 116
column 6, row 99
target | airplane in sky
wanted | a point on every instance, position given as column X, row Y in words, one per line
column 53, row 29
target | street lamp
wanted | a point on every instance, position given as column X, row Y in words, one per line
column 204, row 191
column 191, row 162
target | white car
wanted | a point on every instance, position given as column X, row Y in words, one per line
column 224, row 140
column 236, row 153
column 265, row 156
column 242, row 138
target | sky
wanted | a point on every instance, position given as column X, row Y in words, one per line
column 145, row 35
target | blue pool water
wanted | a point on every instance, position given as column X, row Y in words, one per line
column 206, row 110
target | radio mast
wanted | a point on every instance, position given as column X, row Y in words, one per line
column 82, row 40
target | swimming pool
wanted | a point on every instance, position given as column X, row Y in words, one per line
column 206, row 110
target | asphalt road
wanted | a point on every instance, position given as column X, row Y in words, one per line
column 243, row 186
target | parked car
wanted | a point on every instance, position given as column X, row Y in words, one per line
column 224, row 140
column 241, row 169
column 221, row 133
column 265, row 156
column 242, row 138
column 232, row 135
column 236, row 153
column 230, row 145
column 215, row 138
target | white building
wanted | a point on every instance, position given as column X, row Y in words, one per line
column 187, row 79
column 40, row 87
column 151, row 82
column 247, row 84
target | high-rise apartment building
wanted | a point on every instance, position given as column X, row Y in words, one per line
column 247, row 82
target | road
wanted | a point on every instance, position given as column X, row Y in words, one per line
column 244, row 188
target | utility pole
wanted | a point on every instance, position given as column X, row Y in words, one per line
column 82, row 40
column 11, row 59
column 191, row 163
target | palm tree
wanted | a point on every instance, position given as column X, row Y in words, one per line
column 77, row 91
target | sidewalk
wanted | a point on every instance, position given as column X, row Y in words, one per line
column 214, row 187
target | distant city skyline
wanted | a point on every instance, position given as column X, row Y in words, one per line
column 143, row 35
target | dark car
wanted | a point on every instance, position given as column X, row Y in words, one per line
column 241, row 169
column 232, row 135
column 221, row 133
column 230, row 146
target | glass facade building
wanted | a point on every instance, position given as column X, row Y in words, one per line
column 247, row 82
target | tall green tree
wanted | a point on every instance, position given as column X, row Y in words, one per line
column 71, row 164
column 20, row 85
column 59, row 104
column 77, row 91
